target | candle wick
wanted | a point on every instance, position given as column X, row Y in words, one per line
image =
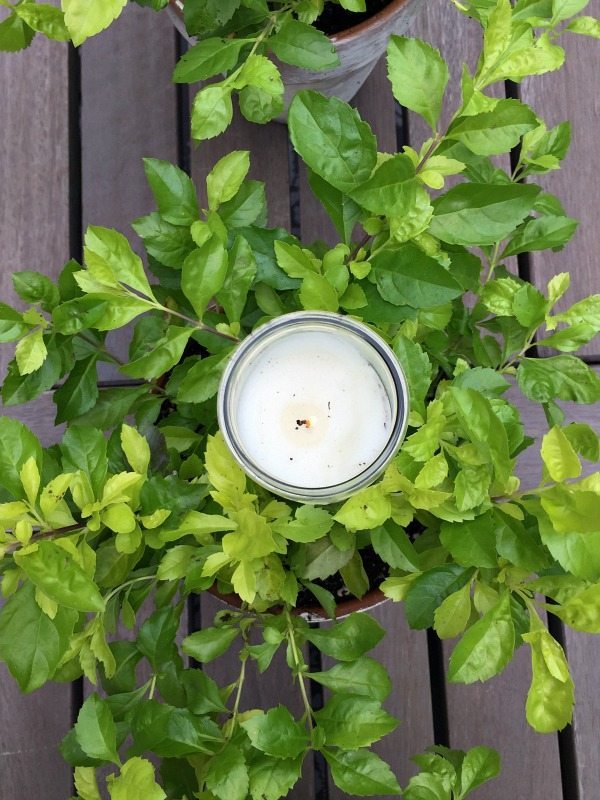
column 301, row 422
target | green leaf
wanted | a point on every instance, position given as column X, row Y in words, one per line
column 471, row 543
column 486, row 647
column 365, row 677
column 360, row 772
column 110, row 251
column 575, row 550
column 317, row 293
column 14, row 34
column 569, row 339
column 112, row 406
column 85, row 449
column 453, row 614
column 11, row 324
column 585, row 26
column 342, row 210
column 408, row 277
column 86, row 18
column 96, row 731
column 156, row 639
column 369, row 508
column 136, row 782
column 31, row 352
column 562, row 377
column 581, row 611
column 416, row 366
column 136, row 449
column 272, row 778
column 225, row 179
column 207, row 58
column 332, row 140
column 261, row 97
column 212, row 111
column 480, row 764
column 171, row 732
column 168, row 244
column 202, row 380
column 310, row 523
column 391, row 543
column 494, row 132
column 210, row 643
column 428, row 591
column 166, row 354
column 45, row 19
column 240, row 276
column 322, row 559
column 550, row 698
column 79, row 392
column 559, row 457
column 34, row 287
column 203, row 274
column 391, row 189
column 418, row 75
column 227, row 774
column 42, row 641
column 351, row 721
column 17, row 445
column 348, row 640
column 303, row 46
column 540, row 234
column 55, row 572
column 276, row 733
column 86, row 783
column 173, row 190
column 469, row 214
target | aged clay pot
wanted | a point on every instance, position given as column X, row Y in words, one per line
column 359, row 49
column 372, row 599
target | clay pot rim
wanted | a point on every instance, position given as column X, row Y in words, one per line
column 373, row 23
column 372, row 598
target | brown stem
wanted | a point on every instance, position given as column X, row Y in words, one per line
column 41, row 535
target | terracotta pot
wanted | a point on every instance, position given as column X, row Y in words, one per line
column 359, row 49
column 371, row 600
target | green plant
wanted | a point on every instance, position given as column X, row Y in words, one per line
column 96, row 524
column 236, row 37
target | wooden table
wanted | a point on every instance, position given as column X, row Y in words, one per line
column 74, row 127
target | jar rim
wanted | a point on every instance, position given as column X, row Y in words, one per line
column 259, row 339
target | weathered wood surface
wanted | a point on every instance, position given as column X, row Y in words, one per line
column 34, row 234
column 125, row 72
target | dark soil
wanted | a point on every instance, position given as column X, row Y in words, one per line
column 376, row 569
column 335, row 18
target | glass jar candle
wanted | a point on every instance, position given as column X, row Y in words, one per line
column 313, row 406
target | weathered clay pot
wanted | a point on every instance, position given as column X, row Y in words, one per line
column 359, row 49
column 372, row 599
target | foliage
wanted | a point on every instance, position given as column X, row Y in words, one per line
column 235, row 38
column 141, row 499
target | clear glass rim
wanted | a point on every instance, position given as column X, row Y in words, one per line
column 321, row 494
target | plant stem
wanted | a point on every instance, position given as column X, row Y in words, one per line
column 152, row 687
column 299, row 664
column 40, row 535
column 120, row 588
column 238, row 697
column 197, row 324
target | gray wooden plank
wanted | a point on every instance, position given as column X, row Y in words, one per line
column 39, row 416
column 34, row 163
column 583, row 652
column 34, row 232
column 128, row 112
column 573, row 94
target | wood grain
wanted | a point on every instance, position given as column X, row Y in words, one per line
column 128, row 112
column 34, row 232
column 573, row 94
column 34, row 165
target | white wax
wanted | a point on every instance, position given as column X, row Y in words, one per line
column 311, row 410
